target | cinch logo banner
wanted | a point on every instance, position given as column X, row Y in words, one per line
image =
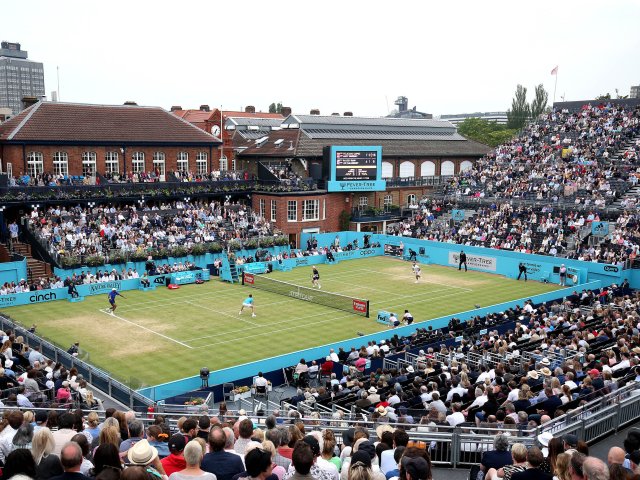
column 457, row 215
column 600, row 229
column 478, row 262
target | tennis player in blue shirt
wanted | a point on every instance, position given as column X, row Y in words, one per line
column 248, row 303
column 112, row 299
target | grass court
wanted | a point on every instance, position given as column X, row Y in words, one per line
column 165, row 335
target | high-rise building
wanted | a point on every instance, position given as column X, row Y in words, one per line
column 19, row 77
column 497, row 117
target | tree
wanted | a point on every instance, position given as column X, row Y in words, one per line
column 275, row 107
column 539, row 104
column 485, row 131
column 606, row 96
column 520, row 110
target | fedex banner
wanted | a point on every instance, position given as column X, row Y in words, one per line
column 477, row 262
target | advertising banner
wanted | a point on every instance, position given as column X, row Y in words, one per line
column 478, row 262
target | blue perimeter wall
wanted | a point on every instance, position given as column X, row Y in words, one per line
column 501, row 262
column 13, row 271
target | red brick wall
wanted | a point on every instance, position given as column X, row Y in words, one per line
column 329, row 221
column 13, row 154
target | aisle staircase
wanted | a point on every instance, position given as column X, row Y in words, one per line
column 36, row 269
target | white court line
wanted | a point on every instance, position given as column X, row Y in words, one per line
column 333, row 319
column 421, row 281
column 145, row 328
column 297, row 319
column 235, row 317
column 186, row 300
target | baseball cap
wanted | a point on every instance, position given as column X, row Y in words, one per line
column 570, row 439
column 313, row 443
column 368, row 448
column 594, row 371
column 176, row 442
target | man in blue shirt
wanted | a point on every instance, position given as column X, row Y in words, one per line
column 248, row 303
column 112, row 299
column 224, row 465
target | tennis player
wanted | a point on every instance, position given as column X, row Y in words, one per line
column 112, row 299
column 315, row 277
column 416, row 271
column 248, row 303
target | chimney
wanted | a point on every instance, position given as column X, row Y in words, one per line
column 175, row 108
column 54, row 96
column 205, row 108
column 335, row 114
column 285, row 111
column 314, row 111
column 249, row 109
column 131, row 102
column 347, row 114
column 28, row 101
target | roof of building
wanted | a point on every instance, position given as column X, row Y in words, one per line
column 367, row 121
column 254, row 121
column 297, row 142
column 193, row 116
column 229, row 113
column 74, row 122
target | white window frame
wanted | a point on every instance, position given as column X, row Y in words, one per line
column 324, row 209
column 292, row 210
column 363, row 201
column 310, row 210
column 137, row 162
column 111, row 162
column 262, row 206
column 274, row 210
column 233, row 164
column 224, row 163
column 388, row 200
column 89, row 164
column 202, row 163
column 61, row 164
column 411, row 199
column 183, row 162
column 35, row 164
column 159, row 162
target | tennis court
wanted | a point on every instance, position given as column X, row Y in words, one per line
column 165, row 335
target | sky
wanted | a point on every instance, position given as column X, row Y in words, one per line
column 447, row 57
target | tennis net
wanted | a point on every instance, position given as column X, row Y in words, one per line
column 357, row 306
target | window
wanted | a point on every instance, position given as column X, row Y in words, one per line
column 137, row 162
column 158, row 162
column 224, row 163
column 274, row 210
column 35, row 163
column 262, row 207
column 387, row 170
column 233, row 164
column 89, row 164
column 411, row 199
column 324, row 209
column 201, row 163
column 427, row 169
column 447, row 168
column 112, row 165
column 61, row 164
column 292, row 211
column 465, row 165
column 388, row 200
column 183, row 162
column 407, row 169
column 363, row 201
column 310, row 209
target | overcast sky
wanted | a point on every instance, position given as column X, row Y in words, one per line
column 347, row 55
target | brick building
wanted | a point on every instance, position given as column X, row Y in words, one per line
column 417, row 154
column 90, row 140
column 223, row 123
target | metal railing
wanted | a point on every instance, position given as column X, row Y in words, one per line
column 99, row 379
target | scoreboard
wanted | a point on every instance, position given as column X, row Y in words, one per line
column 353, row 169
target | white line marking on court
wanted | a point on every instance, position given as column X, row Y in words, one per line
column 186, row 300
column 426, row 299
column 235, row 317
column 421, row 281
column 145, row 328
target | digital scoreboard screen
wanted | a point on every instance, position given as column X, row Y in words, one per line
column 353, row 168
column 359, row 165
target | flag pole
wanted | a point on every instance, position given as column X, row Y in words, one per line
column 555, row 87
